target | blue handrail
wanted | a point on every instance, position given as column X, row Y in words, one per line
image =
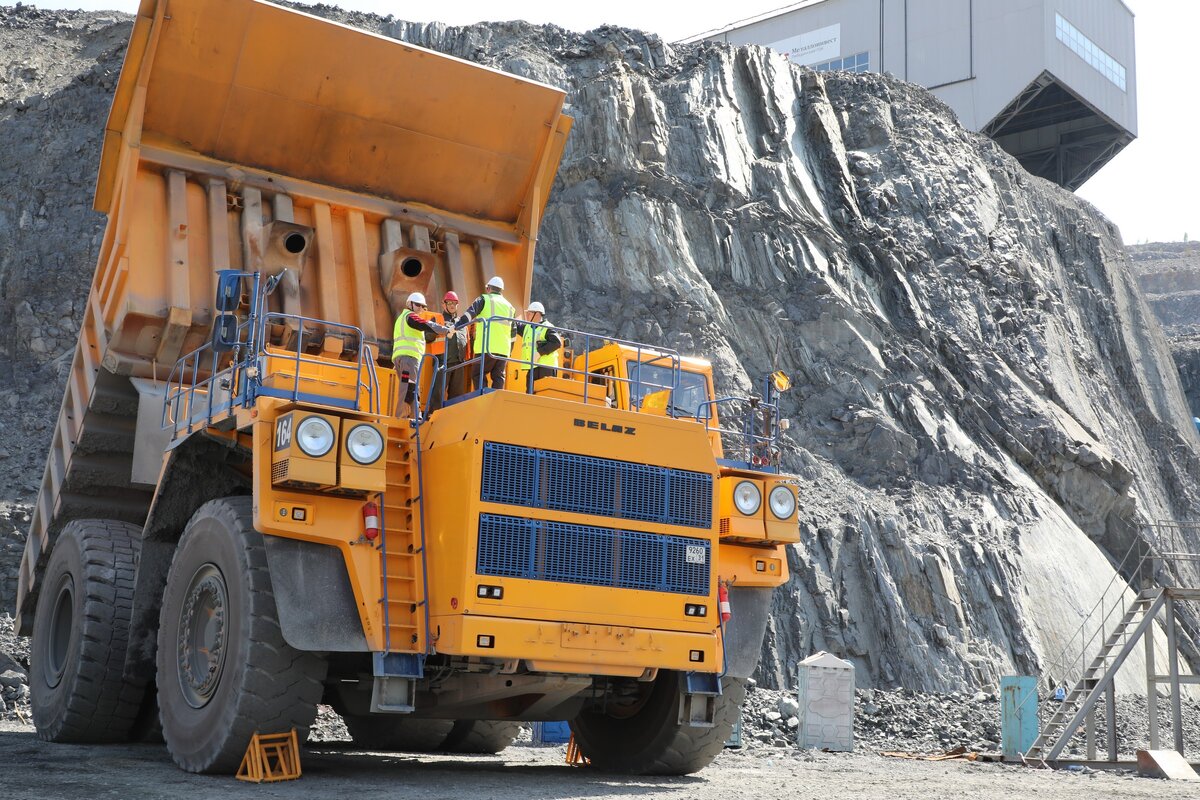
column 206, row 369
column 589, row 343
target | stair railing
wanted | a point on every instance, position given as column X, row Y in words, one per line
column 1101, row 615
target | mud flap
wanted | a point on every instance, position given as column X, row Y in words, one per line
column 744, row 633
column 301, row 571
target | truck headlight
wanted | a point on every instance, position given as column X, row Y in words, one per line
column 315, row 436
column 747, row 498
column 783, row 502
column 364, row 444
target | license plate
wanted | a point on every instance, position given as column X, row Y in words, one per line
column 694, row 554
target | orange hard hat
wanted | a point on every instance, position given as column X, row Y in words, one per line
column 450, row 296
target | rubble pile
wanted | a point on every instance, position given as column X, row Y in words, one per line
column 14, row 673
column 899, row 720
column 904, row 720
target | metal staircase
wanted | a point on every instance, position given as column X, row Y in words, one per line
column 1097, row 677
column 1114, row 627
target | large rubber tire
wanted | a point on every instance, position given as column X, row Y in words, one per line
column 480, row 736
column 393, row 733
column 653, row 741
column 224, row 670
column 81, row 633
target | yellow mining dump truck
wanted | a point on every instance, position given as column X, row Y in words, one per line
column 233, row 526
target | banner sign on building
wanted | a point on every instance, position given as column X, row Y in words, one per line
column 813, row 47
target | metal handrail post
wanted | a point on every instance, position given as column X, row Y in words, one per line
column 212, row 384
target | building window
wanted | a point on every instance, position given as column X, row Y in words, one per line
column 860, row 62
column 1089, row 51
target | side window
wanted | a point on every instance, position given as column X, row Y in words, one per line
column 610, row 386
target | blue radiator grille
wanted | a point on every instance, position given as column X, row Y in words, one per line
column 524, row 476
column 557, row 551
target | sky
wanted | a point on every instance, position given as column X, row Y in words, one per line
column 1149, row 190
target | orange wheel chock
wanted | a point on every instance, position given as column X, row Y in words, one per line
column 271, row 757
column 575, row 756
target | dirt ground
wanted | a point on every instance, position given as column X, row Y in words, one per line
column 32, row 769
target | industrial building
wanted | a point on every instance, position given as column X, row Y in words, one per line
column 1052, row 81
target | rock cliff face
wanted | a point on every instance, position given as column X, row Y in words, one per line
column 985, row 410
column 1169, row 276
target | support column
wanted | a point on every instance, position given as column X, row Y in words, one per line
column 1090, row 729
column 218, row 225
column 1151, row 688
column 1110, row 719
column 179, row 288
column 1173, row 663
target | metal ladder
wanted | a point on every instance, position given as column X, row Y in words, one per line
column 1098, row 677
column 402, row 575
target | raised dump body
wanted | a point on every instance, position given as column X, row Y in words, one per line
column 234, row 523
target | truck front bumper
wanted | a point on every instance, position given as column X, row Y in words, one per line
column 577, row 648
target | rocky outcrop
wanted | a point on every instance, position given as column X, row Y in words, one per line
column 1169, row 276
column 985, row 412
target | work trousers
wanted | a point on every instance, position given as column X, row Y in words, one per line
column 494, row 368
column 456, row 383
column 406, row 371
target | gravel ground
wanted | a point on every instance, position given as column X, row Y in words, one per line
column 520, row 772
column 767, row 766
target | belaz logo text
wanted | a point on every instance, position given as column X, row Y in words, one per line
column 283, row 432
column 604, row 426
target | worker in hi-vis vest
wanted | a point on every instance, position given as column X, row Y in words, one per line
column 492, row 341
column 408, row 348
column 541, row 345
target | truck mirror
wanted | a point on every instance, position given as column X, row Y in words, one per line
column 225, row 333
column 229, row 290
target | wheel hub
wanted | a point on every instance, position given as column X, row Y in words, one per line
column 58, row 643
column 202, row 635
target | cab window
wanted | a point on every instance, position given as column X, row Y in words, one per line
column 687, row 399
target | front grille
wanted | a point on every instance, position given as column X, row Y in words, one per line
column 279, row 470
column 557, row 551
column 524, row 476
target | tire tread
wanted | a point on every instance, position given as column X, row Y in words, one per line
column 102, row 704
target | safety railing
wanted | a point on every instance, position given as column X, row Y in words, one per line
column 581, row 342
column 240, row 363
column 754, row 444
column 216, row 373
column 1141, row 568
column 358, row 372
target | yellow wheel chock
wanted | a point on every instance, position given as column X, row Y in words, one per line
column 271, row 757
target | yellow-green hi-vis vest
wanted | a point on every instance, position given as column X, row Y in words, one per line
column 407, row 341
column 528, row 348
column 499, row 334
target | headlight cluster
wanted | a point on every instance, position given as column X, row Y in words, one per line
column 364, row 444
column 747, row 498
column 315, row 436
column 782, row 502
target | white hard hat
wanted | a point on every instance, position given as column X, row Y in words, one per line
column 496, row 283
column 417, row 297
column 536, row 306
